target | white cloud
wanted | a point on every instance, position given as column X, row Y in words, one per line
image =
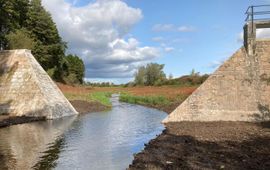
column 158, row 39
column 163, row 27
column 240, row 37
column 186, row 29
column 215, row 64
column 260, row 34
column 263, row 33
column 168, row 49
column 172, row 27
column 97, row 32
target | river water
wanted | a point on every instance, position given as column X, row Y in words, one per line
column 104, row 140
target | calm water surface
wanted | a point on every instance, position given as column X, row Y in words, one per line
column 104, row 140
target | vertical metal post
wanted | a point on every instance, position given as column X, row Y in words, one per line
column 252, row 17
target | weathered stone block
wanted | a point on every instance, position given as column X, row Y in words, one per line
column 235, row 92
column 27, row 90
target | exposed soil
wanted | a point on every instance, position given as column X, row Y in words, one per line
column 208, row 145
column 88, row 107
column 168, row 108
column 8, row 121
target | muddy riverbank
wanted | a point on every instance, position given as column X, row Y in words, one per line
column 88, row 107
column 208, row 145
column 81, row 106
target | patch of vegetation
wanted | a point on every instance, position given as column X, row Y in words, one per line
column 78, row 96
column 101, row 97
column 187, row 80
column 74, row 69
column 144, row 100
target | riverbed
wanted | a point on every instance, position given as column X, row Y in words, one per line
column 101, row 140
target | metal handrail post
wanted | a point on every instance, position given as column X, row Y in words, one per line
column 252, row 18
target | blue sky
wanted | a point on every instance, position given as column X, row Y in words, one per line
column 188, row 34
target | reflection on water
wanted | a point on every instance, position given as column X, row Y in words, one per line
column 105, row 140
column 48, row 160
column 21, row 145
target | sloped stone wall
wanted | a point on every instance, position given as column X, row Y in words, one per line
column 238, row 91
column 27, row 90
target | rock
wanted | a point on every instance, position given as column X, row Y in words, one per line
column 27, row 90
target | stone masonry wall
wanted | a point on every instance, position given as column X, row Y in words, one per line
column 26, row 89
column 238, row 91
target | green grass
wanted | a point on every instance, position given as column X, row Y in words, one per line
column 144, row 100
column 101, row 97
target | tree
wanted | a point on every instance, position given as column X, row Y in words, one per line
column 12, row 16
column 7, row 20
column 170, row 76
column 154, row 74
column 140, row 78
column 150, row 75
column 74, row 69
column 49, row 49
column 20, row 39
column 194, row 73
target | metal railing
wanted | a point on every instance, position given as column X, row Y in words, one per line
column 258, row 12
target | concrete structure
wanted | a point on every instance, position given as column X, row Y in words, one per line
column 238, row 91
column 27, row 90
column 250, row 34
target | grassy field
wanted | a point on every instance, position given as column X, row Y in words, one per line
column 144, row 100
column 165, row 98
column 101, row 97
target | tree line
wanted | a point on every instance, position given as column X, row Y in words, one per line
column 25, row 24
column 153, row 75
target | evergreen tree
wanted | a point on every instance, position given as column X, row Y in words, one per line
column 50, row 48
column 74, row 69
column 8, row 20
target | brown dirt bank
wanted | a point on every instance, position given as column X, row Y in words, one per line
column 208, row 145
column 88, row 107
column 165, row 108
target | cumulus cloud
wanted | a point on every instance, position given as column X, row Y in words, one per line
column 97, row 32
column 172, row 27
column 263, row 33
column 260, row 34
